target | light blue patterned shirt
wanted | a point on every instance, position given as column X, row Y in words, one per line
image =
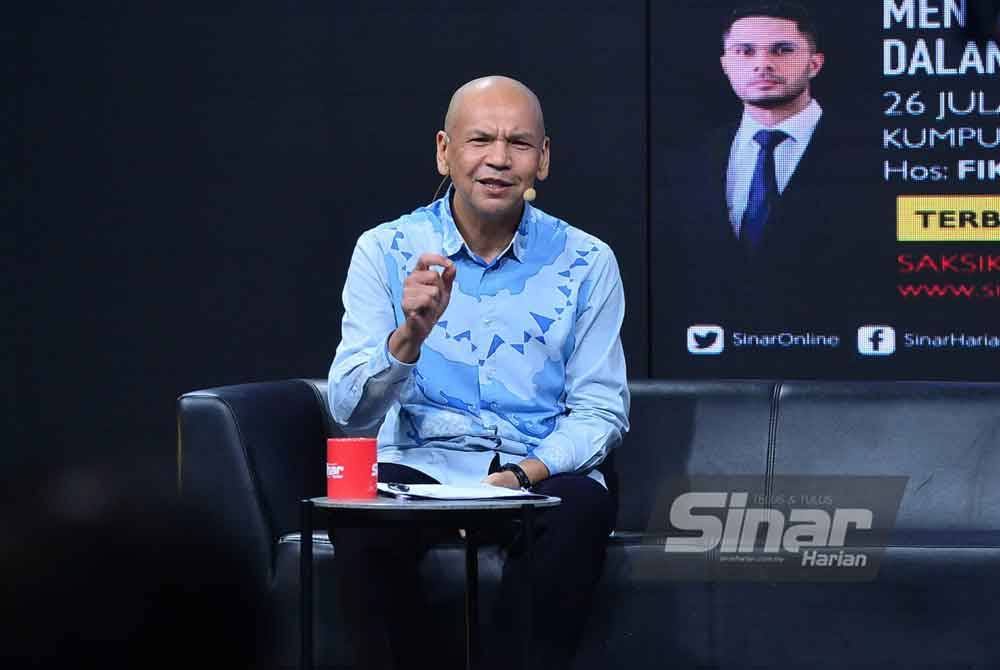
column 525, row 361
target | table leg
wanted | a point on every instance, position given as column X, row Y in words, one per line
column 471, row 598
column 528, row 528
column 305, row 585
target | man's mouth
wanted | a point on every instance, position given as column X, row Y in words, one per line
column 494, row 184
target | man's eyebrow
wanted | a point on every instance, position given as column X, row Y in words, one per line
column 779, row 43
column 517, row 135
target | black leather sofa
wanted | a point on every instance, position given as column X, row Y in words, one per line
column 248, row 453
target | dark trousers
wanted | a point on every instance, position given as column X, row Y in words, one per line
column 384, row 604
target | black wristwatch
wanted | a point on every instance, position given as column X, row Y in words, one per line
column 522, row 476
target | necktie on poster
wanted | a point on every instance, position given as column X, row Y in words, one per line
column 763, row 188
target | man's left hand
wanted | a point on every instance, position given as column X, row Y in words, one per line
column 534, row 468
column 504, row 479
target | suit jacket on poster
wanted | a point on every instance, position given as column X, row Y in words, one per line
column 818, row 256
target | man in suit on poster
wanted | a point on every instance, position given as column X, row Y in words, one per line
column 772, row 232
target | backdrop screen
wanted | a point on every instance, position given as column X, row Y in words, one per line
column 863, row 239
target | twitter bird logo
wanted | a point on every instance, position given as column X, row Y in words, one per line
column 705, row 339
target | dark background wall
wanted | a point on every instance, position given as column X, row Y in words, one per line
column 192, row 181
column 189, row 181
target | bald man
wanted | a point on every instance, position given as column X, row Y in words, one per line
column 483, row 334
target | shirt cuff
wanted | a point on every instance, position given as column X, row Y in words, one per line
column 390, row 369
column 556, row 452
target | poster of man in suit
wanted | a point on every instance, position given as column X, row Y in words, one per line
column 773, row 217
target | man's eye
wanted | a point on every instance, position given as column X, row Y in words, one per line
column 479, row 140
column 519, row 144
column 747, row 51
column 784, row 50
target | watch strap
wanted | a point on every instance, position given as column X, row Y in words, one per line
column 522, row 477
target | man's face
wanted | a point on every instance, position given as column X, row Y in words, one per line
column 494, row 150
column 769, row 62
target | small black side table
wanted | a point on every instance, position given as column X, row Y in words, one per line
column 375, row 512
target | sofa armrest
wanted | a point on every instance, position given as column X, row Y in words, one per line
column 248, row 453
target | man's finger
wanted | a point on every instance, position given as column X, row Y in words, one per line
column 428, row 259
column 424, row 277
column 422, row 298
column 434, row 289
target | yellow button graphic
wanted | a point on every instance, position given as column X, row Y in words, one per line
column 948, row 218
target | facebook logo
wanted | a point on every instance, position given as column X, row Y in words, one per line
column 876, row 340
column 706, row 339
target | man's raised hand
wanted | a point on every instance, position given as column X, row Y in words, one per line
column 426, row 294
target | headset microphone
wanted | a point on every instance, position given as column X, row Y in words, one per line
column 529, row 195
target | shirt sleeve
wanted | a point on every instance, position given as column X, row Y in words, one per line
column 365, row 379
column 597, row 395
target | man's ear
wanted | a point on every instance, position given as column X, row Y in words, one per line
column 543, row 163
column 816, row 63
column 442, row 155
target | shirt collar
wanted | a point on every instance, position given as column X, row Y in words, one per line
column 799, row 127
column 453, row 242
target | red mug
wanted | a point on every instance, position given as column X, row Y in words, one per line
column 351, row 467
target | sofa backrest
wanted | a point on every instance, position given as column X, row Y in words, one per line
column 253, row 450
column 943, row 436
column 680, row 428
column 248, row 453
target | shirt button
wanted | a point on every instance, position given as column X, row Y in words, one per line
column 488, row 321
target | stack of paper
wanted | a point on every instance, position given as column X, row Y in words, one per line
column 445, row 492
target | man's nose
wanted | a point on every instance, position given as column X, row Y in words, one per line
column 762, row 62
column 499, row 155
